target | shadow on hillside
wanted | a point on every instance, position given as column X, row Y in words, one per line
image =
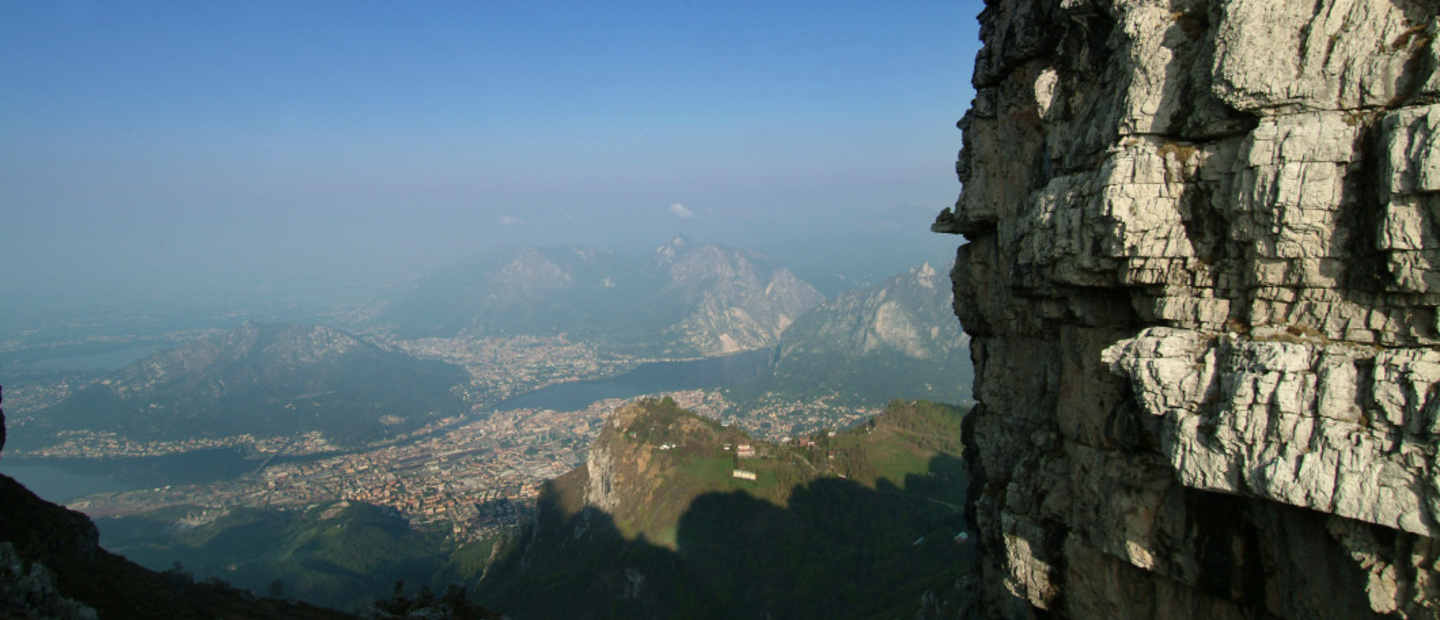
column 839, row 549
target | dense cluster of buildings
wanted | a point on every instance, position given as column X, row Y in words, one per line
column 107, row 444
column 451, row 479
column 506, row 367
column 781, row 421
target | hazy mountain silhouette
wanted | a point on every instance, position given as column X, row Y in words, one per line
column 266, row 380
column 683, row 300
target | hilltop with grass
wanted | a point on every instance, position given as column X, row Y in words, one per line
column 676, row 515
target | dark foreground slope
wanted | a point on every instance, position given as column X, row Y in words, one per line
column 336, row 554
column 862, row 524
column 52, row 566
column 67, row 545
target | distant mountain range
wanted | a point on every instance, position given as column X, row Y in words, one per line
column 266, row 380
column 898, row 339
column 895, row 340
column 683, row 300
column 676, row 516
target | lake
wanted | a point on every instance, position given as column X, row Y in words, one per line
column 61, row 480
column 58, row 485
column 104, row 360
column 650, row 378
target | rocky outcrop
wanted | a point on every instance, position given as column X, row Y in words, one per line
column 1201, row 276
column 629, row 473
column 28, row 590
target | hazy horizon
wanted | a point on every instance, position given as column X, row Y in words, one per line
column 325, row 150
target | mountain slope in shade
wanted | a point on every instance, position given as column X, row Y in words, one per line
column 335, row 554
column 684, row 300
column 266, row 380
column 898, row 339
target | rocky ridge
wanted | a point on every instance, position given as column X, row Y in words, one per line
column 1203, row 307
column 897, row 339
column 902, row 314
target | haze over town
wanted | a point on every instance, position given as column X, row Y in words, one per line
column 320, row 152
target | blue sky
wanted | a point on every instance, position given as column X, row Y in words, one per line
column 149, row 144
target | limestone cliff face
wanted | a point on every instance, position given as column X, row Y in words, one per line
column 1201, row 277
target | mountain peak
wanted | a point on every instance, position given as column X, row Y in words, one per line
column 925, row 275
column 670, row 250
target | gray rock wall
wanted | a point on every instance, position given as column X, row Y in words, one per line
column 1201, row 273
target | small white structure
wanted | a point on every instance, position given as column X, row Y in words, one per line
column 743, row 474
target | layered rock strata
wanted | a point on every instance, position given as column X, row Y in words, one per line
column 1201, row 276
